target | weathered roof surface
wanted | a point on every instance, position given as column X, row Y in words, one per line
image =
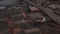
column 7, row 2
